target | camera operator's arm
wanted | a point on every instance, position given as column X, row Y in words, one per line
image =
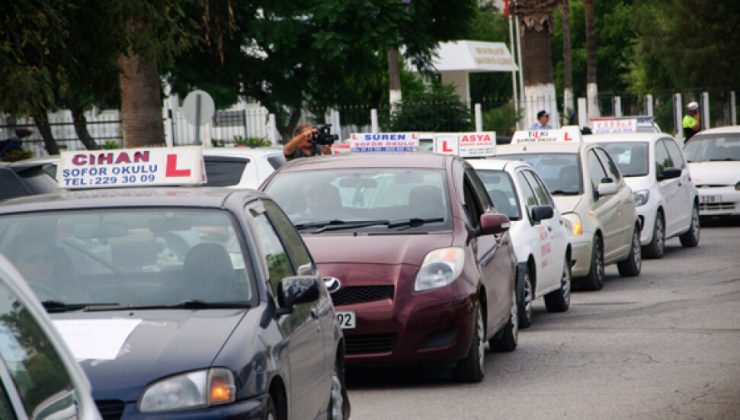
column 326, row 150
column 296, row 142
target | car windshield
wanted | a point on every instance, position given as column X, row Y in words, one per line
column 129, row 257
column 630, row 156
column 713, row 147
column 560, row 171
column 377, row 198
column 501, row 190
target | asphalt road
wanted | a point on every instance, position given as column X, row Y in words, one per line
column 665, row 345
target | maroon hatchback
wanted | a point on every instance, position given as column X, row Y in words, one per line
column 421, row 266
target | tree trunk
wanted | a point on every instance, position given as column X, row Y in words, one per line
column 141, row 102
column 287, row 131
column 42, row 123
column 539, row 87
column 592, row 89
column 394, row 77
column 568, row 102
column 80, row 124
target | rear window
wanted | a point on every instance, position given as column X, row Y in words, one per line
column 501, row 190
column 560, row 171
column 224, row 172
column 276, row 161
column 631, row 157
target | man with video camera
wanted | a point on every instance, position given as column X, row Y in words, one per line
column 309, row 141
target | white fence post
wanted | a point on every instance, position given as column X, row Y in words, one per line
column 336, row 123
column 677, row 115
column 649, row 105
column 478, row 118
column 705, row 110
column 582, row 112
column 373, row 120
column 733, row 108
column 617, row 106
column 272, row 127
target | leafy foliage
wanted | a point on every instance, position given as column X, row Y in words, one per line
column 437, row 109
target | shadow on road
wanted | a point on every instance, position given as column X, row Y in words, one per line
column 719, row 222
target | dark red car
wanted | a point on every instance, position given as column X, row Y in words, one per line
column 421, row 264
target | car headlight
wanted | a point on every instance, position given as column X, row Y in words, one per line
column 439, row 268
column 190, row 390
column 641, row 197
column 737, row 186
column 573, row 224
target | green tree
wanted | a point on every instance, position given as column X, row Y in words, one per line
column 436, row 109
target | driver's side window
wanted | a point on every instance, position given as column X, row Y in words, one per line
column 662, row 158
column 596, row 172
column 472, row 205
column 274, row 257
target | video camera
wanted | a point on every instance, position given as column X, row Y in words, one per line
column 323, row 136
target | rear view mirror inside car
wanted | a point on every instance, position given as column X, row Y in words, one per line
column 99, row 230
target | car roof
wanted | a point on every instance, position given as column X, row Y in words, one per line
column 206, row 197
column 242, row 151
column 369, row 160
column 554, row 147
column 722, row 130
column 498, row 164
column 624, row 137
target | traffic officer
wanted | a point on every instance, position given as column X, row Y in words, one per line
column 692, row 120
column 543, row 121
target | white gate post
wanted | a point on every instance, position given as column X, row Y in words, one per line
column 677, row 115
column 733, row 108
column 373, row 120
column 617, row 106
column 649, row 104
column 478, row 118
column 705, row 110
column 582, row 112
column 272, row 129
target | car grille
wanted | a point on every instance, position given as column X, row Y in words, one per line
column 110, row 409
column 371, row 343
column 357, row 294
column 717, row 206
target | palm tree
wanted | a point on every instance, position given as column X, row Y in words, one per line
column 141, row 102
column 568, row 105
column 592, row 88
column 535, row 16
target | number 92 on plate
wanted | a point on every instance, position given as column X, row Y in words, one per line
column 346, row 319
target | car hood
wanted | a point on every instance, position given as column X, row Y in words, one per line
column 567, row 203
column 637, row 183
column 153, row 344
column 375, row 249
column 715, row 173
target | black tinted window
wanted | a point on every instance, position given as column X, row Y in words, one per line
column 39, row 181
column 293, row 243
column 11, row 185
column 662, row 158
column 276, row 161
column 224, row 172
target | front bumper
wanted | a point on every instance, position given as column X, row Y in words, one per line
column 252, row 408
column 430, row 327
column 581, row 248
column 719, row 201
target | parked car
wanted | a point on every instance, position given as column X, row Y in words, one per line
column 424, row 266
column 597, row 205
column 39, row 377
column 714, row 162
column 241, row 167
column 538, row 234
column 24, row 178
column 665, row 198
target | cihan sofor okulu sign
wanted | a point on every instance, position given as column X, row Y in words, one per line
column 131, row 167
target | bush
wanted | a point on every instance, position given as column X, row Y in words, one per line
column 437, row 109
column 16, row 155
column 252, row 141
column 502, row 120
column 110, row 145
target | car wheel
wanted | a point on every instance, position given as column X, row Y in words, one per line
column 690, row 239
column 559, row 300
column 471, row 368
column 631, row 266
column 508, row 337
column 270, row 409
column 525, row 294
column 338, row 401
column 594, row 280
column 656, row 247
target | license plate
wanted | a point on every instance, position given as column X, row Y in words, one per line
column 346, row 319
column 704, row 199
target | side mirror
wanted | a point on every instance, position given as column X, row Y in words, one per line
column 540, row 213
column 491, row 223
column 295, row 290
column 607, row 188
column 669, row 173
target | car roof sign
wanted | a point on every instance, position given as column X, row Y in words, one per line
column 613, row 125
column 146, row 167
column 466, row 145
column 567, row 134
column 384, row 142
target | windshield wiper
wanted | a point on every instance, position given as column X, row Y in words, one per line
column 411, row 222
column 721, row 159
column 309, row 225
column 561, row 192
column 414, row 222
column 55, row 306
column 192, row 304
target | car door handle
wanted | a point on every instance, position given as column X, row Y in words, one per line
column 314, row 313
column 549, row 228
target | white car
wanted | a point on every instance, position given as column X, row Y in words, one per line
column 538, row 234
column 714, row 162
column 39, row 377
column 665, row 198
column 241, row 167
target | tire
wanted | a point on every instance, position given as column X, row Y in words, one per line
column 631, row 266
column 338, row 400
column 525, row 296
column 559, row 300
column 690, row 239
column 471, row 368
column 656, row 247
column 594, row 280
column 270, row 410
column 507, row 339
